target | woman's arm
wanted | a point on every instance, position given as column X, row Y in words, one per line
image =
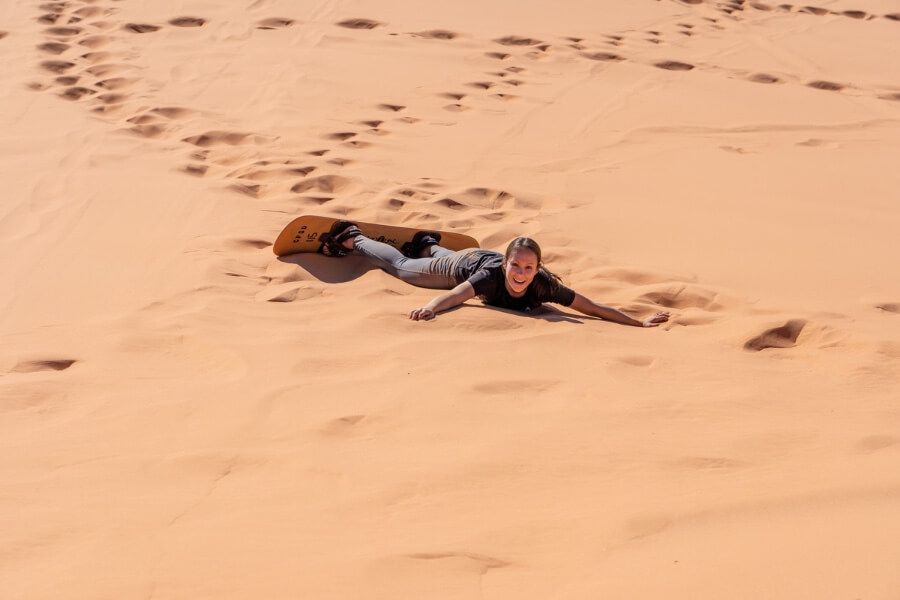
column 454, row 297
column 588, row 307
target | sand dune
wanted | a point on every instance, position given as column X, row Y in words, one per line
column 182, row 414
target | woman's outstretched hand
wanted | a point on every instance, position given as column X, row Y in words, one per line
column 657, row 319
column 421, row 314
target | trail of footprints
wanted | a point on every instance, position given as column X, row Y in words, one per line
column 81, row 23
column 84, row 23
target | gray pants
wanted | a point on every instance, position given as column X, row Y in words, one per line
column 436, row 271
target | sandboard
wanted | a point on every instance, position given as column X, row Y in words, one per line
column 304, row 234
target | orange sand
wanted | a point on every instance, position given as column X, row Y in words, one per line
column 182, row 415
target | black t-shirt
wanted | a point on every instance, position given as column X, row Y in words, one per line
column 484, row 270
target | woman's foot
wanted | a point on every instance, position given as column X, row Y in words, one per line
column 420, row 246
column 339, row 239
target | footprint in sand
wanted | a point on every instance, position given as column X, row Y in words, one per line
column 359, row 24
column 391, row 107
column 274, row 23
column 604, row 56
column 340, row 135
column 730, row 8
column 481, row 198
column 437, row 34
column 217, row 138
column 814, row 10
column 48, row 19
column 497, row 55
column 514, row 40
column 829, row 86
column 273, row 174
column 142, row 120
column 777, row 337
column 55, row 7
column 195, row 170
column 325, row 183
column 763, row 78
column 891, row 307
column 76, row 93
column 112, row 98
column 57, row 66
column 187, row 22
column 252, row 190
column 116, row 83
column 33, row 366
column 893, row 16
column 148, row 131
column 98, row 57
column 53, row 47
column 141, row 27
column 95, row 41
column 171, row 112
column 342, row 426
column 673, row 65
column 63, row 32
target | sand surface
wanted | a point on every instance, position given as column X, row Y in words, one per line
column 183, row 415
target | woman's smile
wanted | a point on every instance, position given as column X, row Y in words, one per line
column 520, row 269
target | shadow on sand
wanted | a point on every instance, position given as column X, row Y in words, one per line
column 328, row 269
column 341, row 270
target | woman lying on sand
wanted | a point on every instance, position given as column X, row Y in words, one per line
column 517, row 280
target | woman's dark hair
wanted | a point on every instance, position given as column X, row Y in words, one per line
column 530, row 244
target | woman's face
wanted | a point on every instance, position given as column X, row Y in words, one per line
column 520, row 269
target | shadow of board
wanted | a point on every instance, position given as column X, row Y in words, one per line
column 329, row 269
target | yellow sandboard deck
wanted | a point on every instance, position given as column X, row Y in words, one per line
column 304, row 234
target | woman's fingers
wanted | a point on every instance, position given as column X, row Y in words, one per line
column 421, row 314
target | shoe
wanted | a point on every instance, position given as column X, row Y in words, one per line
column 333, row 241
column 419, row 242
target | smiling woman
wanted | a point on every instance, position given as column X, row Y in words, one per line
column 515, row 280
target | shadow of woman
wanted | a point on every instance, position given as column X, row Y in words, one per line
column 546, row 312
column 341, row 270
column 329, row 269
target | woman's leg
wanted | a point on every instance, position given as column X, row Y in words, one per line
column 434, row 272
